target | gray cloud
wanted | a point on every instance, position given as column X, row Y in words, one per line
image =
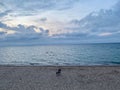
column 43, row 19
column 102, row 24
column 3, row 10
column 22, row 32
column 4, row 13
column 31, row 5
column 2, row 33
column 47, row 4
column 2, row 6
column 2, row 25
column 18, row 8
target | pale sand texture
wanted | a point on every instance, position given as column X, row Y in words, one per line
column 72, row 78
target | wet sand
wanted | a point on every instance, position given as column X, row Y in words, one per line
column 71, row 78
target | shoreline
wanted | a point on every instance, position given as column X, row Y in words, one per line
column 59, row 65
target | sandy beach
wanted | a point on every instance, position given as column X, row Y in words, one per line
column 71, row 78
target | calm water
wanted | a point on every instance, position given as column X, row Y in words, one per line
column 91, row 54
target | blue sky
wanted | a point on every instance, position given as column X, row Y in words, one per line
column 59, row 21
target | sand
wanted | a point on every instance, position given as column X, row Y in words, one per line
column 71, row 78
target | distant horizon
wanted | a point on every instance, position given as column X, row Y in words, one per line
column 15, row 45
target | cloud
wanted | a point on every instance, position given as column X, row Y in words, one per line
column 2, row 33
column 43, row 19
column 21, row 32
column 3, row 10
column 47, row 4
column 2, row 25
column 97, row 26
column 105, row 34
column 2, row 6
column 104, row 23
column 33, row 5
column 26, row 11
column 2, row 14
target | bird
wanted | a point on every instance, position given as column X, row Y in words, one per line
column 58, row 72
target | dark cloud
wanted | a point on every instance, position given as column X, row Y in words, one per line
column 4, row 13
column 2, row 33
column 23, row 32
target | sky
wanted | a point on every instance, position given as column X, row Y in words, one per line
column 28, row 22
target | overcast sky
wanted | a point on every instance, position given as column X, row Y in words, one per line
column 59, row 21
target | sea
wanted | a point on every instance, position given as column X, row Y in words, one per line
column 61, row 55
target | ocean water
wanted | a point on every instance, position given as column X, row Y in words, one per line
column 65, row 55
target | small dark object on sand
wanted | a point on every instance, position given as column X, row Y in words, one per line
column 58, row 72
